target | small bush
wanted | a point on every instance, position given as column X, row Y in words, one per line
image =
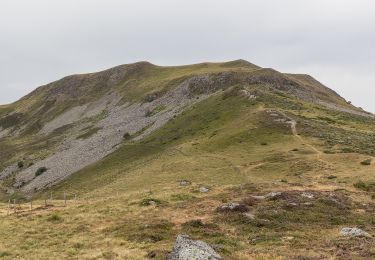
column 40, row 171
column 4, row 254
column 55, row 218
column 150, row 201
column 331, row 177
column 20, row 164
column 360, row 185
column 347, row 150
column 365, row 186
column 196, row 223
column 366, row 162
column 126, row 136
column 263, row 143
column 373, row 196
column 148, row 113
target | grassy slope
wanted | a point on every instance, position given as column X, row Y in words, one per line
column 39, row 107
column 231, row 145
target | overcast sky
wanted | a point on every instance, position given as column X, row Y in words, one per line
column 332, row 40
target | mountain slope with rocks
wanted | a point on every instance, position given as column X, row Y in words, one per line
column 238, row 157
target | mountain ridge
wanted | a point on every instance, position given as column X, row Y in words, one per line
column 100, row 101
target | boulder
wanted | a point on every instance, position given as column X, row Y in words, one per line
column 186, row 248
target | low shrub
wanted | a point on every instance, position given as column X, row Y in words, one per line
column 20, row 164
column 55, row 218
column 150, row 201
column 40, row 171
column 365, row 186
column 366, row 162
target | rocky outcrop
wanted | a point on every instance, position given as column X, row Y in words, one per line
column 354, row 232
column 187, row 249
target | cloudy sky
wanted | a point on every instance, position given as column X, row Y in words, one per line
column 44, row 40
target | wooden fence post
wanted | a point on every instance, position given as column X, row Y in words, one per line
column 8, row 208
column 64, row 199
column 14, row 205
column 45, row 203
column 31, row 204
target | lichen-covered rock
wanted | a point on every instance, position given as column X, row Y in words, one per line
column 188, row 249
column 354, row 232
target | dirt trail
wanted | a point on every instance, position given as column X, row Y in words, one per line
column 293, row 126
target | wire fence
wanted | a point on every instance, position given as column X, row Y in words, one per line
column 49, row 201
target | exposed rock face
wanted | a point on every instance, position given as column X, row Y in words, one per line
column 189, row 249
column 354, row 232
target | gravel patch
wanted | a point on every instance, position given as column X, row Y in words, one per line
column 75, row 114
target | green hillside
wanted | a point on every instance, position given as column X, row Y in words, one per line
column 294, row 155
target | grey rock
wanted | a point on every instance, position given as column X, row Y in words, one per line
column 307, row 195
column 271, row 195
column 233, row 207
column 230, row 206
column 186, row 248
column 185, row 183
column 249, row 215
column 204, row 189
column 354, row 232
